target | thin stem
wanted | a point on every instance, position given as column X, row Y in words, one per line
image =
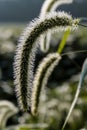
column 83, row 22
column 83, row 19
column 83, row 25
column 74, row 52
column 63, row 42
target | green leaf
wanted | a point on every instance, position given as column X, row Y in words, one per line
column 82, row 77
column 84, row 73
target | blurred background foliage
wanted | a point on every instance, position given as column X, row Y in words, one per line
column 60, row 91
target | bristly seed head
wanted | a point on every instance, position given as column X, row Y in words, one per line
column 41, row 77
column 26, row 49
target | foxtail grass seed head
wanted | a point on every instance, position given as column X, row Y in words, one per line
column 49, row 6
column 26, row 49
column 41, row 77
column 52, row 5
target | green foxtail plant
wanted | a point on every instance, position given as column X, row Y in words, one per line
column 43, row 72
column 26, row 49
column 49, row 6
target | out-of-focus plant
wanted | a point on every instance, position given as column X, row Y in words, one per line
column 7, row 109
column 50, row 6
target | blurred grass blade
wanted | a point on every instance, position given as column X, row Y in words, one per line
column 83, row 75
